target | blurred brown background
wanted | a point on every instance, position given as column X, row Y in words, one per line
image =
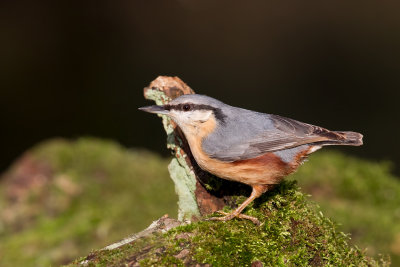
column 73, row 68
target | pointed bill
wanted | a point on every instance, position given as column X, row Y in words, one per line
column 155, row 109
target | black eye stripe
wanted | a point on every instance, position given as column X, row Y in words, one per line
column 186, row 107
column 180, row 107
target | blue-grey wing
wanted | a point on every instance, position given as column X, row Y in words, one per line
column 276, row 133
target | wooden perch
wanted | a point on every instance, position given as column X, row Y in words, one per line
column 199, row 192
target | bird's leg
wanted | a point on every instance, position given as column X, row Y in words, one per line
column 258, row 190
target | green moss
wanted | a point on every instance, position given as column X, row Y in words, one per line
column 361, row 195
column 95, row 193
column 292, row 233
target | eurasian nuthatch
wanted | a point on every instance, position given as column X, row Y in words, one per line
column 246, row 146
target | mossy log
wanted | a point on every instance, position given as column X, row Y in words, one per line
column 292, row 232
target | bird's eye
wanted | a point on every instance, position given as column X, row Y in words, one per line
column 186, row 107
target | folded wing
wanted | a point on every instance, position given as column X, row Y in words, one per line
column 285, row 133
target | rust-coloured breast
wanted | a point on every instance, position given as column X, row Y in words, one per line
column 265, row 169
column 267, row 159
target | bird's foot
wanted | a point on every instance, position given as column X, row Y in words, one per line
column 230, row 216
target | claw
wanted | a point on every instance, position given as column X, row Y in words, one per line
column 251, row 218
column 257, row 191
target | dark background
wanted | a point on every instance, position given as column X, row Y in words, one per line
column 73, row 68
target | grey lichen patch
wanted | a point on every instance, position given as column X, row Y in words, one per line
column 185, row 186
column 157, row 96
column 182, row 175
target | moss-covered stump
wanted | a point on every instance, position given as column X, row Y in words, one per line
column 293, row 233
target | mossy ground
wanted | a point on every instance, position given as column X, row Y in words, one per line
column 95, row 193
column 99, row 192
column 362, row 196
column 292, row 233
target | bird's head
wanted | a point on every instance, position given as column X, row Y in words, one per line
column 191, row 111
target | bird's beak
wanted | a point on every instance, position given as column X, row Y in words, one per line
column 155, row 109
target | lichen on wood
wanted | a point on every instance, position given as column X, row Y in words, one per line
column 163, row 90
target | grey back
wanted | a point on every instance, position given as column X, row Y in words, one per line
column 244, row 134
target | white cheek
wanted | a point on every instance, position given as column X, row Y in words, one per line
column 190, row 118
column 187, row 118
column 180, row 118
column 200, row 116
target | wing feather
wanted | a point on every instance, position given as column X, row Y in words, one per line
column 286, row 133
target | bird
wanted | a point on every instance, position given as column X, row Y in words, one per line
column 245, row 146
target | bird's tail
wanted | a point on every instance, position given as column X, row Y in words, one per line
column 349, row 138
